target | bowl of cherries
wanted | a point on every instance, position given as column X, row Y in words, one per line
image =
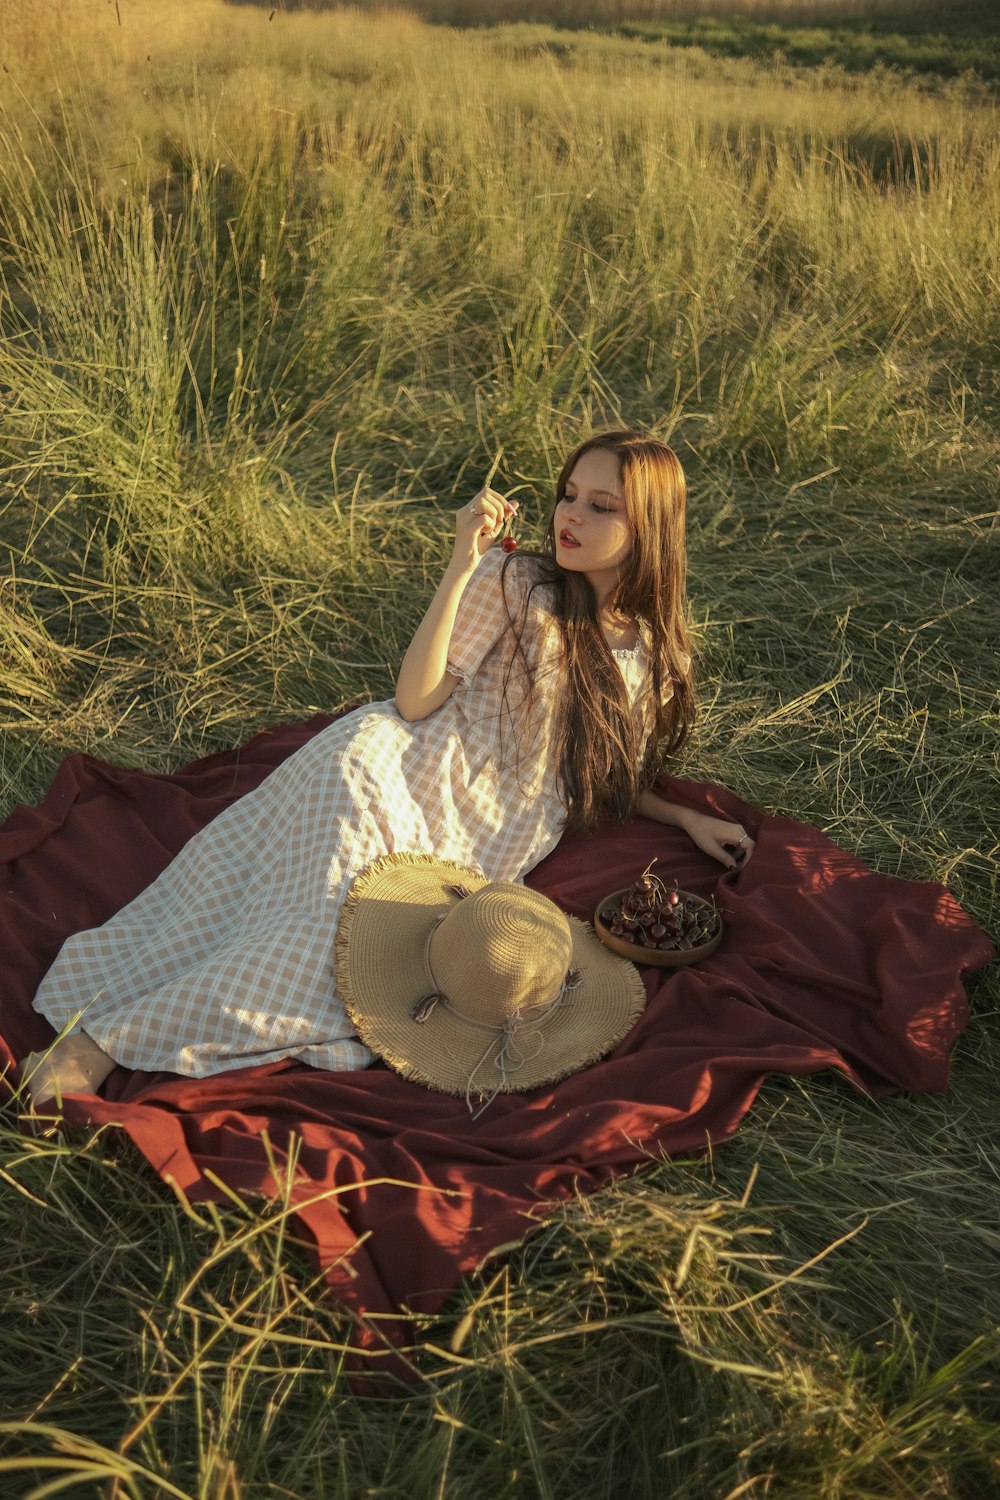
column 652, row 923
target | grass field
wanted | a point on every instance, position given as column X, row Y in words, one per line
column 275, row 290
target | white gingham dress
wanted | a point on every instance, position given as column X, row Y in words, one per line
column 226, row 960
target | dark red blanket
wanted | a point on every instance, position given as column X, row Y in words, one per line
column 824, row 964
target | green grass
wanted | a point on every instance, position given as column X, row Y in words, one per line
column 909, row 39
column 914, row 40
column 857, row 46
column 274, row 294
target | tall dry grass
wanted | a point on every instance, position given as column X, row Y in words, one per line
column 223, row 258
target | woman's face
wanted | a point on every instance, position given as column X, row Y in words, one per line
column 593, row 534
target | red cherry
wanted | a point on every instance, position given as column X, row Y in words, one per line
column 508, row 544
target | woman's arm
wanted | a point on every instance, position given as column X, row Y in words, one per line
column 712, row 835
column 424, row 682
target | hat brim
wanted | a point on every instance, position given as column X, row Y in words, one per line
column 386, row 922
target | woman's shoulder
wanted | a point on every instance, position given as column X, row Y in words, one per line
column 520, row 580
column 529, row 576
column 532, row 605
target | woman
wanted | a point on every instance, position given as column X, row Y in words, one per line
column 537, row 694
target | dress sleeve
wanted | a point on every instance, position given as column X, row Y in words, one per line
column 483, row 618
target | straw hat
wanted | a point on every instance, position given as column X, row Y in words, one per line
column 476, row 987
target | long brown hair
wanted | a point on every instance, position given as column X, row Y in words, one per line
column 605, row 758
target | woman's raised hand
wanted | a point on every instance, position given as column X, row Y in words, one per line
column 478, row 524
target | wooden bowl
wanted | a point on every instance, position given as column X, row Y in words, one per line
column 664, row 958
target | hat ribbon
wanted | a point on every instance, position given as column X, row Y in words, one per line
column 509, row 1056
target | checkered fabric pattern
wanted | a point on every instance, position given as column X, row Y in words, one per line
column 226, row 960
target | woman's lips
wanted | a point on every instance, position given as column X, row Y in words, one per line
column 567, row 539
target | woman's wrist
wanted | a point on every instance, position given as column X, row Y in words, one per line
column 683, row 816
column 674, row 814
column 460, row 569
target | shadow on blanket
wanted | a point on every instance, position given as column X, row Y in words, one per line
column 824, row 964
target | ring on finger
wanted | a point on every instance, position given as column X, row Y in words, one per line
column 743, row 839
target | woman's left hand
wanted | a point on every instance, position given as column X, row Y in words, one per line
column 729, row 843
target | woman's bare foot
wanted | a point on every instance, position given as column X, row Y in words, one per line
column 74, row 1064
